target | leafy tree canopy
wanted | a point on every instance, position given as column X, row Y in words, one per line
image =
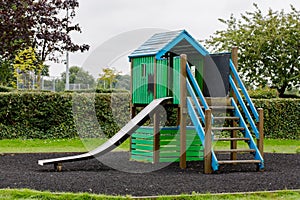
column 269, row 47
column 41, row 24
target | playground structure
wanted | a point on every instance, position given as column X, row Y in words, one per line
column 172, row 69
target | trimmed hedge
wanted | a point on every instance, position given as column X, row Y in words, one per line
column 61, row 115
column 263, row 93
column 282, row 117
column 69, row 115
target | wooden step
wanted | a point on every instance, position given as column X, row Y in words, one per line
column 231, row 139
column 226, row 118
column 221, row 162
column 220, row 107
column 217, row 101
column 234, row 151
column 227, row 128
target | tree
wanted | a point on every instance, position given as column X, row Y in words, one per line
column 269, row 47
column 78, row 76
column 26, row 64
column 44, row 25
column 108, row 77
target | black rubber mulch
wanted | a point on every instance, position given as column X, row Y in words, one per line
column 22, row 171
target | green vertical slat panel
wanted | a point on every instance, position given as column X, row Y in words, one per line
column 140, row 83
column 162, row 78
column 176, row 78
column 142, row 145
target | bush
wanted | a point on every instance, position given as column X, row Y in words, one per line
column 281, row 117
column 6, row 89
column 263, row 93
column 69, row 115
column 61, row 115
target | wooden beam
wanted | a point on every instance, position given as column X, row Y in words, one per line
column 207, row 145
column 156, row 133
column 156, row 138
column 233, row 144
column 183, row 110
column 260, row 141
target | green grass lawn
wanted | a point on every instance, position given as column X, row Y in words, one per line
column 57, row 145
column 270, row 145
column 77, row 145
column 9, row 194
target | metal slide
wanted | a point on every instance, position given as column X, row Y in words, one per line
column 117, row 139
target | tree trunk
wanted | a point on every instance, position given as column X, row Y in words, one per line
column 281, row 90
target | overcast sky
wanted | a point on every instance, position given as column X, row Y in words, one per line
column 102, row 20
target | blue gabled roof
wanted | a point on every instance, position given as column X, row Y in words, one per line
column 174, row 41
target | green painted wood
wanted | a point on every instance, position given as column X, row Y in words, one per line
column 142, row 147
column 140, row 94
column 142, row 153
column 141, row 158
column 134, row 141
column 168, row 159
column 161, row 78
column 176, row 78
column 143, row 136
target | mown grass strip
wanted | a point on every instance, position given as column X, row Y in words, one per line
column 56, row 145
column 83, row 145
column 26, row 194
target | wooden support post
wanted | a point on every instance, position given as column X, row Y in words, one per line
column 156, row 133
column 183, row 111
column 156, row 138
column 132, row 107
column 58, row 167
column 233, row 144
column 133, row 113
column 260, row 141
column 207, row 145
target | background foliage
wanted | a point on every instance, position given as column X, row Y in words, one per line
column 269, row 47
column 51, row 115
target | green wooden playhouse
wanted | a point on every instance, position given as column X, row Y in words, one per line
column 174, row 64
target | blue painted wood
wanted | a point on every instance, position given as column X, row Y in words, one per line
column 251, row 143
column 244, row 107
column 196, row 87
column 200, row 131
column 244, row 91
column 194, row 97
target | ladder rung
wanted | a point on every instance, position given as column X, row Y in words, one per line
column 237, row 161
column 231, row 139
column 227, row 128
column 220, row 107
column 226, row 118
column 234, row 151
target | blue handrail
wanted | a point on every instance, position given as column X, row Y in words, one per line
column 244, row 91
column 194, row 97
column 251, row 143
column 196, row 87
column 200, row 131
column 244, row 107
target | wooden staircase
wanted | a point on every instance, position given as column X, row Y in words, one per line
column 226, row 128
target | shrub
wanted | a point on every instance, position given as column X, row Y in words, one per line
column 61, row 115
column 6, row 89
column 68, row 115
column 263, row 93
column 281, row 117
